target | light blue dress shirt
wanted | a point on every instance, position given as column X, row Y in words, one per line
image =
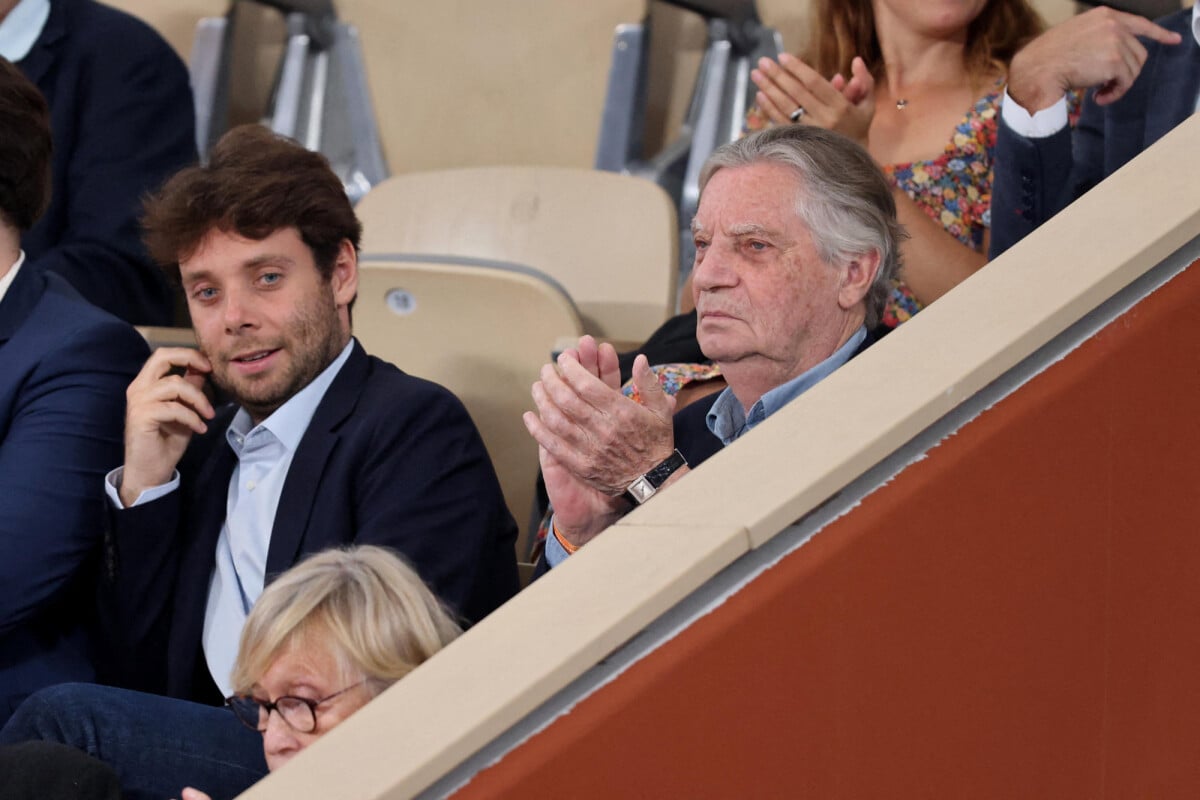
column 22, row 27
column 728, row 421
column 264, row 454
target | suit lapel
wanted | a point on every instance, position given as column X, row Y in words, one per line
column 303, row 482
column 27, row 288
column 205, row 516
column 37, row 62
column 209, row 514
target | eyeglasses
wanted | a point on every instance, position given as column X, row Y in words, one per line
column 299, row 713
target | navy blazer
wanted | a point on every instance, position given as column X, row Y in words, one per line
column 64, row 366
column 1034, row 179
column 387, row 459
column 122, row 119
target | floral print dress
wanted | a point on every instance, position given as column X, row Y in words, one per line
column 954, row 189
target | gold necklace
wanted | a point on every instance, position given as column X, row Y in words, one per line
column 901, row 103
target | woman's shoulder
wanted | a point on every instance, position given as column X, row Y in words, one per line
column 976, row 134
column 987, row 108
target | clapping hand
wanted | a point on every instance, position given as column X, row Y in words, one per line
column 792, row 91
column 592, row 440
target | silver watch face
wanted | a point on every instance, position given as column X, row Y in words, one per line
column 641, row 489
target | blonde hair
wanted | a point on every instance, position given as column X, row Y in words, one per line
column 365, row 603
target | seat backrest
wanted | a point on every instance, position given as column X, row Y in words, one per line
column 609, row 239
column 481, row 329
column 464, row 82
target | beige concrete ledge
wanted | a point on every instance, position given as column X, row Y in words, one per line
column 509, row 663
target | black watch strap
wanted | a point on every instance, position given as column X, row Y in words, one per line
column 644, row 487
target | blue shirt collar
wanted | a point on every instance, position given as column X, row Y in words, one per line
column 290, row 421
column 726, row 419
column 22, row 27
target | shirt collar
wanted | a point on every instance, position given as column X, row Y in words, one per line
column 1196, row 23
column 22, row 27
column 726, row 419
column 289, row 422
column 11, row 275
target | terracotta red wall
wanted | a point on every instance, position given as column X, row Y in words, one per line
column 1017, row 615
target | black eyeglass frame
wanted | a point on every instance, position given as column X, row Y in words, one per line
column 244, row 705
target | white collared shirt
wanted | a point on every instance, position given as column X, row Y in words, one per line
column 22, row 27
column 1050, row 121
column 11, row 275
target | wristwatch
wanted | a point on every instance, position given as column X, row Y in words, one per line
column 644, row 487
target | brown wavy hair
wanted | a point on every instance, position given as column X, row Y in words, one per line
column 24, row 149
column 844, row 29
column 255, row 183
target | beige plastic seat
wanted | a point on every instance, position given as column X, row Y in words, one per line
column 470, row 82
column 609, row 239
column 482, row 330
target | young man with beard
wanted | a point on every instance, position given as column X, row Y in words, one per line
column 324, row 446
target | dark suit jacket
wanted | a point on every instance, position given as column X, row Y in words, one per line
column 1036, row 178
column 122, row 119
column 64, row 366
column 387, row 459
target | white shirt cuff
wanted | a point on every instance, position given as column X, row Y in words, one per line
column 113, row 480
column 554, row 553
column 1038, row 125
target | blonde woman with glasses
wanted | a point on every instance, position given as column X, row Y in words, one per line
column 324, row 639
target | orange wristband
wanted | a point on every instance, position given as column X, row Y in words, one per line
column 570, row 548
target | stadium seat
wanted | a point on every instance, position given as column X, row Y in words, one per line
column 609, row 239
column 481, row 329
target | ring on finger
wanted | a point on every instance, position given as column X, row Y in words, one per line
column 798, row 114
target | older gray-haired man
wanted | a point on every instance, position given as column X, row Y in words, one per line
column 796, row 243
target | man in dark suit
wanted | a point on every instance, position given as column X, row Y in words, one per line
column 326, row 446
column 64, row 365
column 796, row 244
column 1138, row 90
column 123, row 121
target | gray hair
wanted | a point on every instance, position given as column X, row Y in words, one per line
column 842, row 197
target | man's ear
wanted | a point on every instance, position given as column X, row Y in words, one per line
column 859, row 274
column 344, row 279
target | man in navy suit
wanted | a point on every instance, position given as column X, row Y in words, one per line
column 64, row 365
column 324, row 446
column 123, row 121
column 1138, row 90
